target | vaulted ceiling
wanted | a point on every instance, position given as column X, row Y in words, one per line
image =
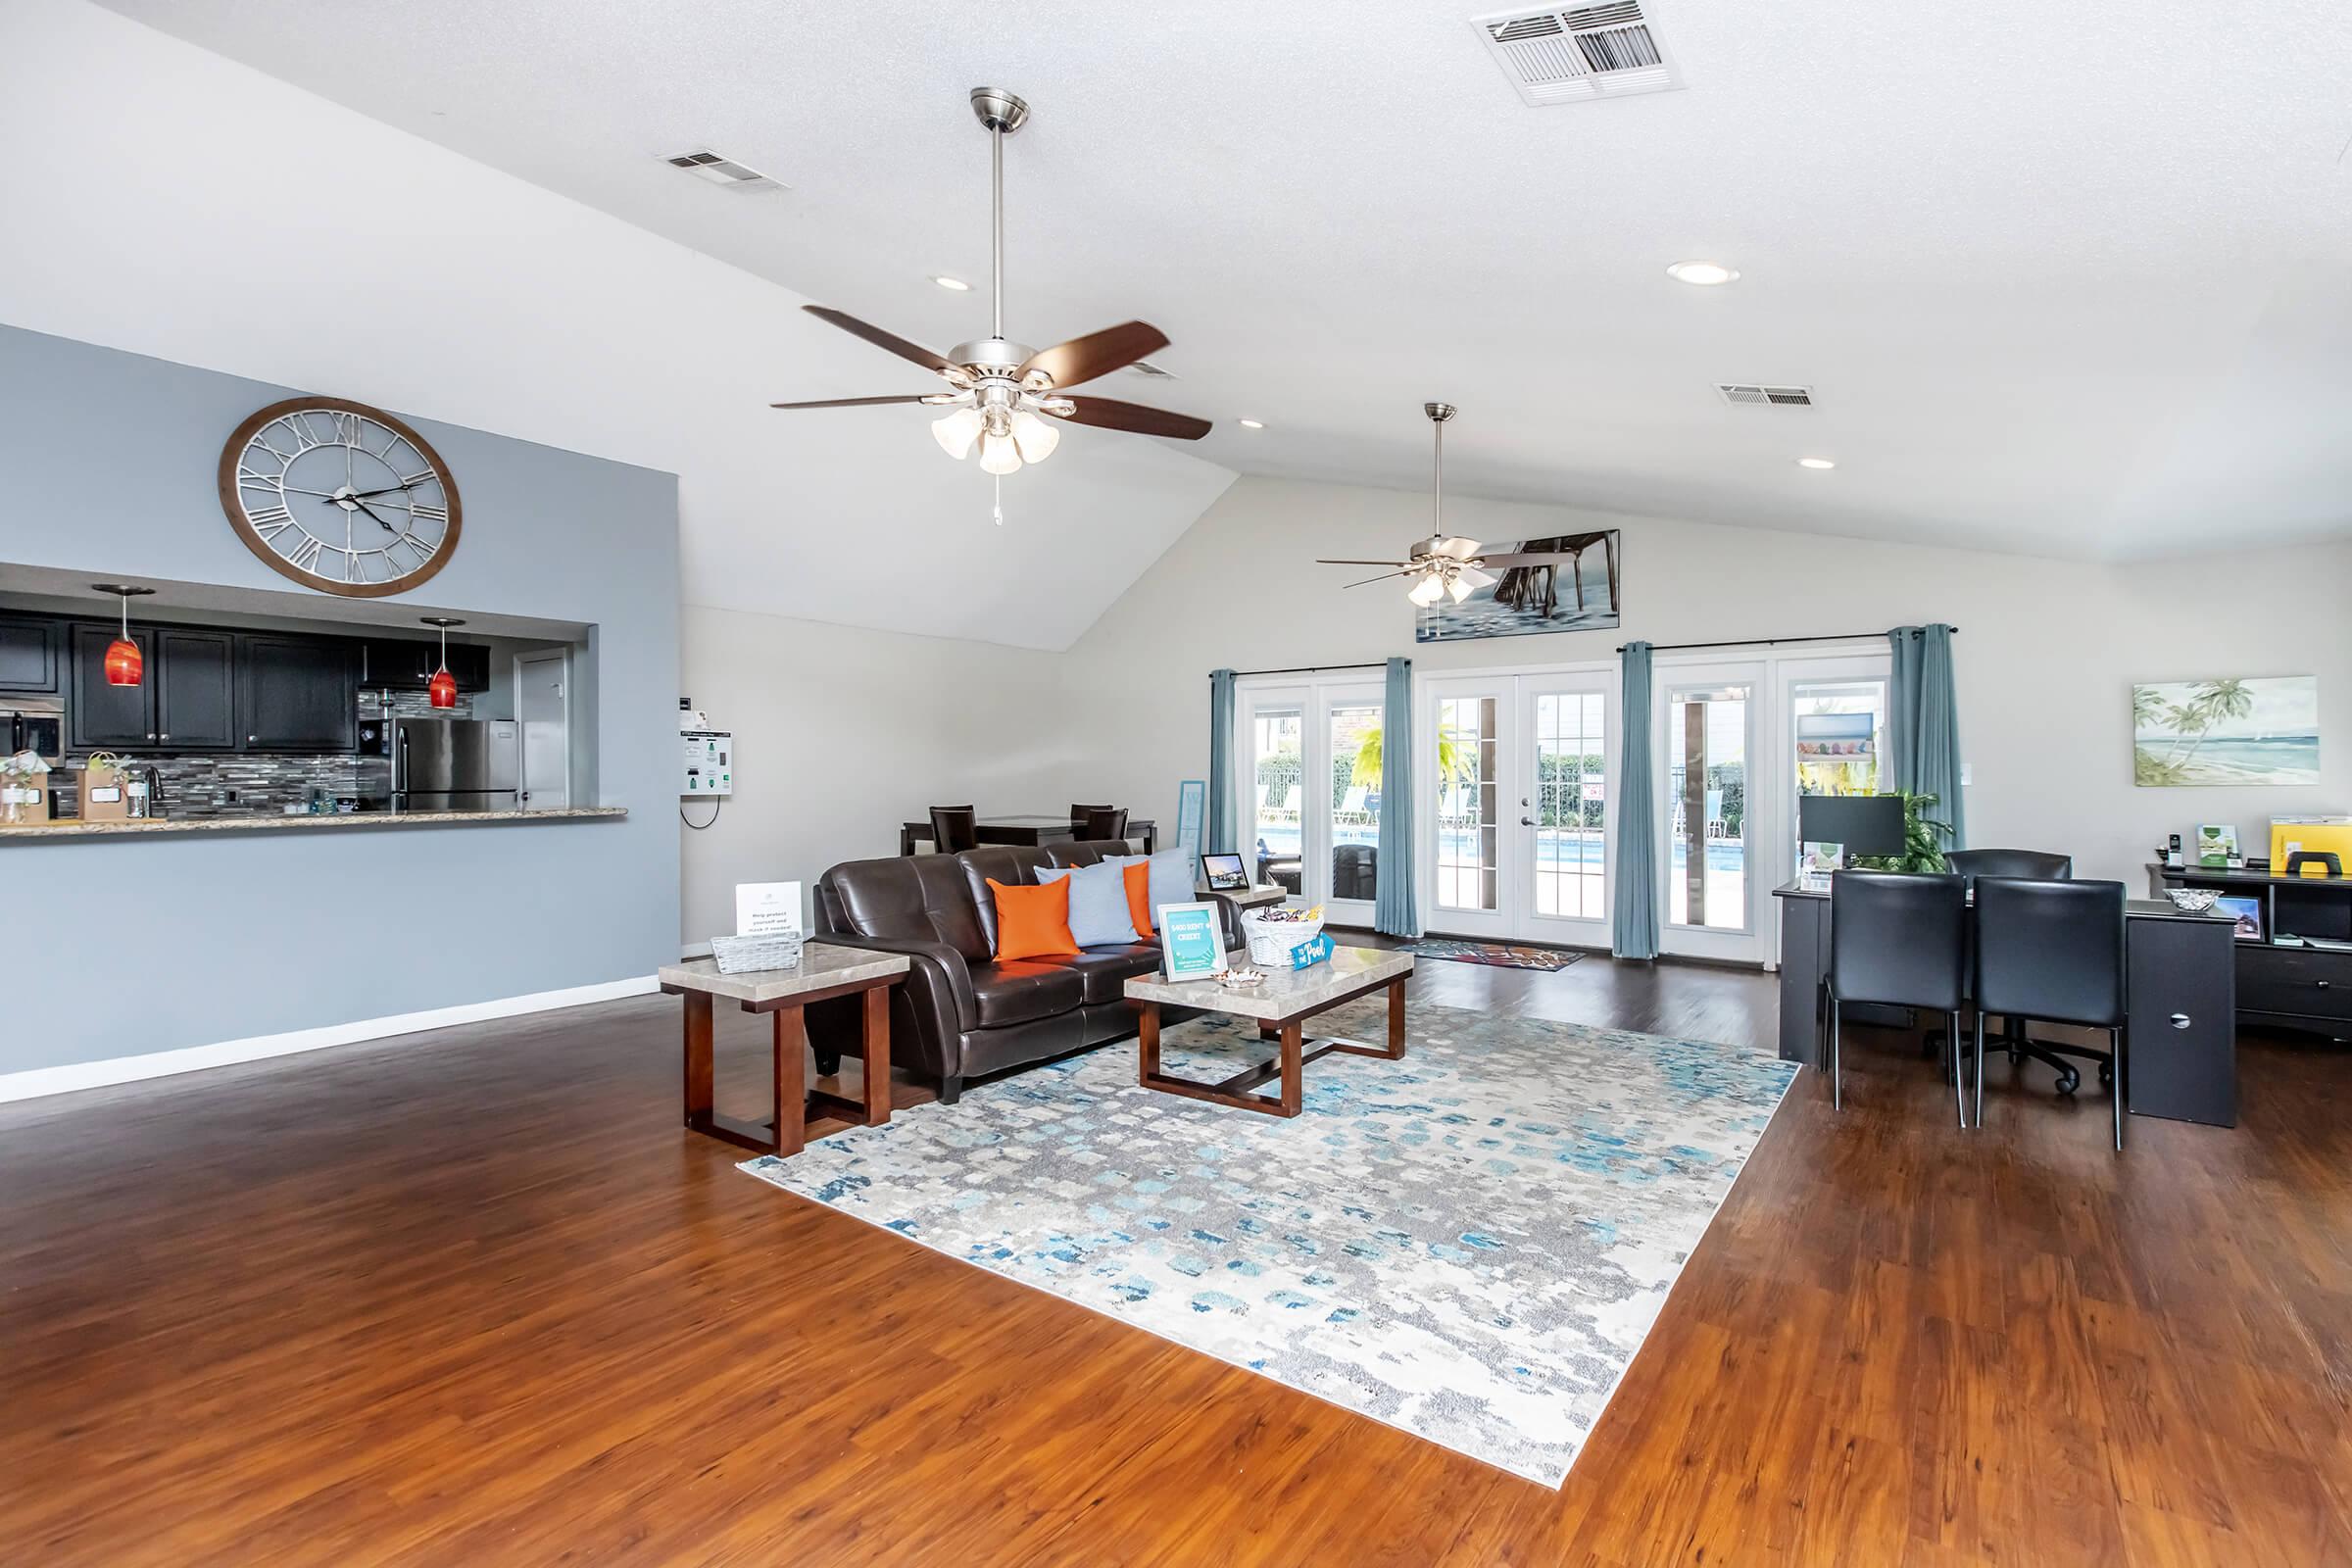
column 2068, row 280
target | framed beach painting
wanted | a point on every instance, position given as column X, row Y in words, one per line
column 2253, row 731
column 1575, row 591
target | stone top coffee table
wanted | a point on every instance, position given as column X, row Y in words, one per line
column 1280, row 1006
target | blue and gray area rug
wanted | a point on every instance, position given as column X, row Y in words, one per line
column 1469, row 1244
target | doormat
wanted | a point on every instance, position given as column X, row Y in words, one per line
column 1500, row 955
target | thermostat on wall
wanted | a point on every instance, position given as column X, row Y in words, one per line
column 709, row 761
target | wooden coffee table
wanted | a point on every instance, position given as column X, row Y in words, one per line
column 824, row 971
column 1280, row 1005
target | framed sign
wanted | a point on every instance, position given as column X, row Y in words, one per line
column 768, row 908
column 1192, row 805
column 1189, row 944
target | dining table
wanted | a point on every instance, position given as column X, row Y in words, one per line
column 1028, row 831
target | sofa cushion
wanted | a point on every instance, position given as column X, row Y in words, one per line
column 921, row 898
column 1032, row 922
column 1170, row 881
column 1106, row 970
column 1018, row 990
column 1014, row 865
column 1098, row 914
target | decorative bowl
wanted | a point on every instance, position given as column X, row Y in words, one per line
column 2192, row 900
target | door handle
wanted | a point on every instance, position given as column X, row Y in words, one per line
column 2180, row 1020
column 1526, row 822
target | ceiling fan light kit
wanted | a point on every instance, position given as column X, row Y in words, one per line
column 1006, row 399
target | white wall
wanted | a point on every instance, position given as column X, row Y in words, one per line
column 158, row 198
column 843, row 734
column 2046, row 659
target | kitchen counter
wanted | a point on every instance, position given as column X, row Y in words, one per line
column 347, row 821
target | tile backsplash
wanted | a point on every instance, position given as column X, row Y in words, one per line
column 202, row 784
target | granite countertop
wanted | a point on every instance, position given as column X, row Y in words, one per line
column 823, row 966
column 1286, row 993
column 347, row 821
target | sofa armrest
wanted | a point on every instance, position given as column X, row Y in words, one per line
column 936, row 973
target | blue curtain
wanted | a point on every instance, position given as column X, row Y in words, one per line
column 1396, row 912
column 1924, row 725
column 1636, row 932
column 1220, row 762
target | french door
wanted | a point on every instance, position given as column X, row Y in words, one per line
column 1708, row 724
column 1312, row 756
column 1519, row 777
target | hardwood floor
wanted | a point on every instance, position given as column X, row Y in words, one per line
column 477, row 1299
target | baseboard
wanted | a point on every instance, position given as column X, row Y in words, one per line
column 39, row 1081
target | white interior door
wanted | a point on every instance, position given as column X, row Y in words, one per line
column 543, row 710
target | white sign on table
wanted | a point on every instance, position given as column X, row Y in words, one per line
column 768, row 908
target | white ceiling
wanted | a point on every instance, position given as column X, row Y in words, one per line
column 2068, row 279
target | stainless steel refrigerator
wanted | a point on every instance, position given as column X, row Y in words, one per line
column 455, row 764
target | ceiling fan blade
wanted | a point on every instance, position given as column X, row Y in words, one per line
column 846, row 403
column 1458, row 548
column 880, row 339
column 1082, row 359
column 1397, row 563
column 1522, row 557
column 1382, row 577
column 1112, row 415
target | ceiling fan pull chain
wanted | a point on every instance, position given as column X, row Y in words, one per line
column 998, row 481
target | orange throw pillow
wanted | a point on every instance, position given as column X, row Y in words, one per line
column 1138, row 878
column 1033, row 922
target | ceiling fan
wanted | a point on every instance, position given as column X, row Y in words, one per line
column 1447, row 564
column 998, row 389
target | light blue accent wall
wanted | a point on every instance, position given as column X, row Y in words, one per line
column 123, row 946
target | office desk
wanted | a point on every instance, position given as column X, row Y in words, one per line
column 2299, row 975
column 2180, row 990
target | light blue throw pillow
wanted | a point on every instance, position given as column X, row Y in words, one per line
column 1098, row 914
column 1171, row 880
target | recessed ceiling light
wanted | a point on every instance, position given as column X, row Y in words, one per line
column 1254, row 424
column 1705, row 274
column 957, row 284
column 1816, row 463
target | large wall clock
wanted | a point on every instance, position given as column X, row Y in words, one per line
column 340, row 497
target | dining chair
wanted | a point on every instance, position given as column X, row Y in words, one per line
column 1078, row 819
column 2049, row 867
column 1102, row 823
column 1898, row 938
column 2053, row 949
column 954, row 829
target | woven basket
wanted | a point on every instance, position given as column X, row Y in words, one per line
column 741, row 954
column 1271, row 941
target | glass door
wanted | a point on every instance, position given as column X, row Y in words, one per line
column 1349, row 852
column 1274, row 756
column 1566, row 802
column 1466, row 791
column 1707, row 734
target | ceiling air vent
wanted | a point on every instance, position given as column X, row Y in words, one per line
column 1146, row 368
column 1578, row 54
column 1748, row 395
column 722, row 170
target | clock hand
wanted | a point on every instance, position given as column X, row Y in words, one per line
column 392, row 490
column 377, row 515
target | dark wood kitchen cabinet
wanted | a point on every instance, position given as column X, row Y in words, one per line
column 195, row 673
column 399, row 664
column 100, row 716
column 297, row 694
column 29, row 650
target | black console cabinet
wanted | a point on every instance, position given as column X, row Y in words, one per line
column 2287, row 984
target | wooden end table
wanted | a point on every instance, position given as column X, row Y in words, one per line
column 1280, row 1006
column 824, row 971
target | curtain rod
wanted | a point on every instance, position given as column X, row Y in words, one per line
column 1307, row 669
column 1768, row 641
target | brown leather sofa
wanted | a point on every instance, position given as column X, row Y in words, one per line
column 960, row 1013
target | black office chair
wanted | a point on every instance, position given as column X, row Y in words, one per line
column 954, row 829
column 2049, row 867
column 1899, row 940
column 2039, row 864
column 2054, row 950
column 1102, row 823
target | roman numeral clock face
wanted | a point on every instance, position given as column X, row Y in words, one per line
column 339, row 497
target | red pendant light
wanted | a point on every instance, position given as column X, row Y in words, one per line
column 125, row 666
column 442, row 689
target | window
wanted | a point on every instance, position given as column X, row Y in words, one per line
column 1571, row 805
column 1276, row 762
column 1706, row 750
column 1467, row 805
column 1355, row 758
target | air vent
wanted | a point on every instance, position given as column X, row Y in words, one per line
column 1146, row 368
column 722, row 171
column 1748, row 395
column 1581, row 54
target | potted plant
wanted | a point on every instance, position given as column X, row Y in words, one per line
column 1923, row 840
